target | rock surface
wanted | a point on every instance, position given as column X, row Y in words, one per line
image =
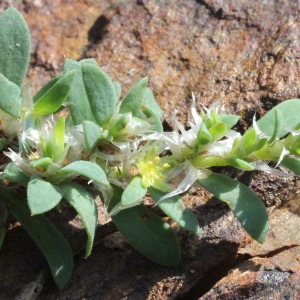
column 243, row 54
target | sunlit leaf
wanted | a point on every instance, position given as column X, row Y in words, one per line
column 278, row 120
column 54, row 97
column 42, row 195
column 218, row 130
column 229, row 120
column 46, row 88
column 133, row 193
column 240, row 163
column 118, row 89
column 119, row 125
column 174, row 208
column 204, row 136
column 245, row 204
column 290, row 118
column 91, row 134
column 86, row 168
column 153, row 118
column 100, row 92
column 77, row 98
column 43, row 162
column 10, row 97
column 248, row 141
column 54, row 148
column 14, row 45
column 151, row 104
column 134, row 99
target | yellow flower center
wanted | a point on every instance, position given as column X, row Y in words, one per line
column 151, row 171
column 33, row 156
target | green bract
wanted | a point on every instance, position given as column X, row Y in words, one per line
column 75, row 140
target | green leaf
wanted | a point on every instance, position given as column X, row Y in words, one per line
column 120, row 124
column 277, row 126
column 86, row 168
column 79, row 104
column 54, row 97
column 218, row 130
column 118, row 89
column 100, row 92
column 13, row 174
column 203, row 136
column 92, row 134
column 151, row 104
column 291, row 119
column 244, row 203
column 10, row 97
column 85, row 206
column 133, row 193
column 43, row 162
column 154, row 119
column 147, row 232
column 229, row 120
column 14, row 45
column 176, row 210
column 248, row 141
column 55, row 248
column 54, row 148
column 240, row 163
column 134, row 99
column 42, row 195
column 292, row 164
column 46, row 88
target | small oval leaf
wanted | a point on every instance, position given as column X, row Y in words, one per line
column 92, row 134
column 79, row 104
column 245, row 204
column 14, row 45
column 278, row 120
column 134, row 99
column 86, row 168
column 100, row 92
column 290, row 118
column 174, row 208
column 84, row 204
column 55, row 96
column 42, row 195
column 10, row 97
column 133, row 193
column 229, row 120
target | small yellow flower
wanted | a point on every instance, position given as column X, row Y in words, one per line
column 152, row 169
column 33, row 156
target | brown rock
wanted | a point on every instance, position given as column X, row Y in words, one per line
column 273, row 272
column 261, row 278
